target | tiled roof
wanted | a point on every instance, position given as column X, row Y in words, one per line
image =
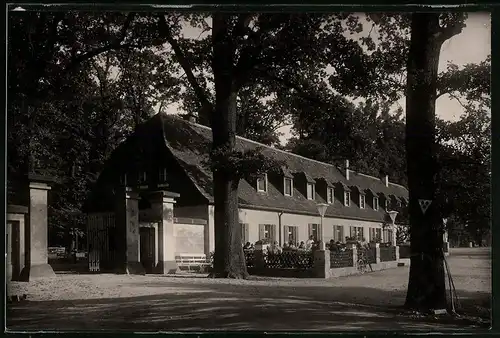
column 189, row 143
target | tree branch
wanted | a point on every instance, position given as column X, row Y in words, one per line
column 450, row 31
column 459, row 101
column 241, row 26
column 117, row 44
column 292, row 85
column 185, row 64
column 249, row 56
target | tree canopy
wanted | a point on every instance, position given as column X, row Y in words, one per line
column 85, row 80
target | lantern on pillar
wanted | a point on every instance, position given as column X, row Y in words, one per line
column 322, row 210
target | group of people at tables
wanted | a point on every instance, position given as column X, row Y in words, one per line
column 310, row 245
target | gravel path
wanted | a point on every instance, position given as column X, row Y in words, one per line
column 371, row 301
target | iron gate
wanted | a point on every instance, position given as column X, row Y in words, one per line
column 101, row 237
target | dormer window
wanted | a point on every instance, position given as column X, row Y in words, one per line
column 386, row 204
column 287, row 186
column 329, row 195
column 375, row 203
column 362, row 201
column 310, row 191
column 347, row 198
column 262, row 183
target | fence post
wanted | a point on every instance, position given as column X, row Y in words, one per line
column 397, row 252
column 377, row 253
column 354, row 255
column 321, row 264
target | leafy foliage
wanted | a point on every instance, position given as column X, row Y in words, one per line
column 248, row 164
column 465, row 178
column 80, row 82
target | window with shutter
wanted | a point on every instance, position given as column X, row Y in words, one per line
column 338, row 233
column 361, row 234
column 273, row 232
column 291, row 234
column 294, row 235
column 267, row 231
column 262, row 228
column 373, row 235
column 244, row 232
column 385, row 236
column 314, row 231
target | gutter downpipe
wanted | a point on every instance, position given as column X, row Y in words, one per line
column 279, row 227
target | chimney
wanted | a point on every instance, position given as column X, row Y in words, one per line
column 386, row 180
column 347, row 169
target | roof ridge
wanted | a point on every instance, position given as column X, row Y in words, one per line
column 378, row 179
column 283, row 151
column 265, row 145
column 370, row 176
column 399, row 185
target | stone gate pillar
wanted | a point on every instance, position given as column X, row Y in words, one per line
column 163, row 202
column 36, row 263
column 127, row 224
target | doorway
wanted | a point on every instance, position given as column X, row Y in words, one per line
column 14, row 249
column 147, row 248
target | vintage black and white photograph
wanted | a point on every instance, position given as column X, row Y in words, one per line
column 173, row 170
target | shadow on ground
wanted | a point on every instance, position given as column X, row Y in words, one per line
column 210, row 306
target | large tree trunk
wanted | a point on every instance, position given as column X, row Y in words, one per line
column 426, row 287
column 229, row 260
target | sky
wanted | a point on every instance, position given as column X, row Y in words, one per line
column 473, row 45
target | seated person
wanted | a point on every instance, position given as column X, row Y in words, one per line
column 310, row 243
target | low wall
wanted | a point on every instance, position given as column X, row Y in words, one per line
column 404, row 251
column 324, row 264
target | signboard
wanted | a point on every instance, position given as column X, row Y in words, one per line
column 424, row 205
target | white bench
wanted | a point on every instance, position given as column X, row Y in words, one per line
column 192, row 260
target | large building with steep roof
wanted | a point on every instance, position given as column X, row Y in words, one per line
column 169, row 153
